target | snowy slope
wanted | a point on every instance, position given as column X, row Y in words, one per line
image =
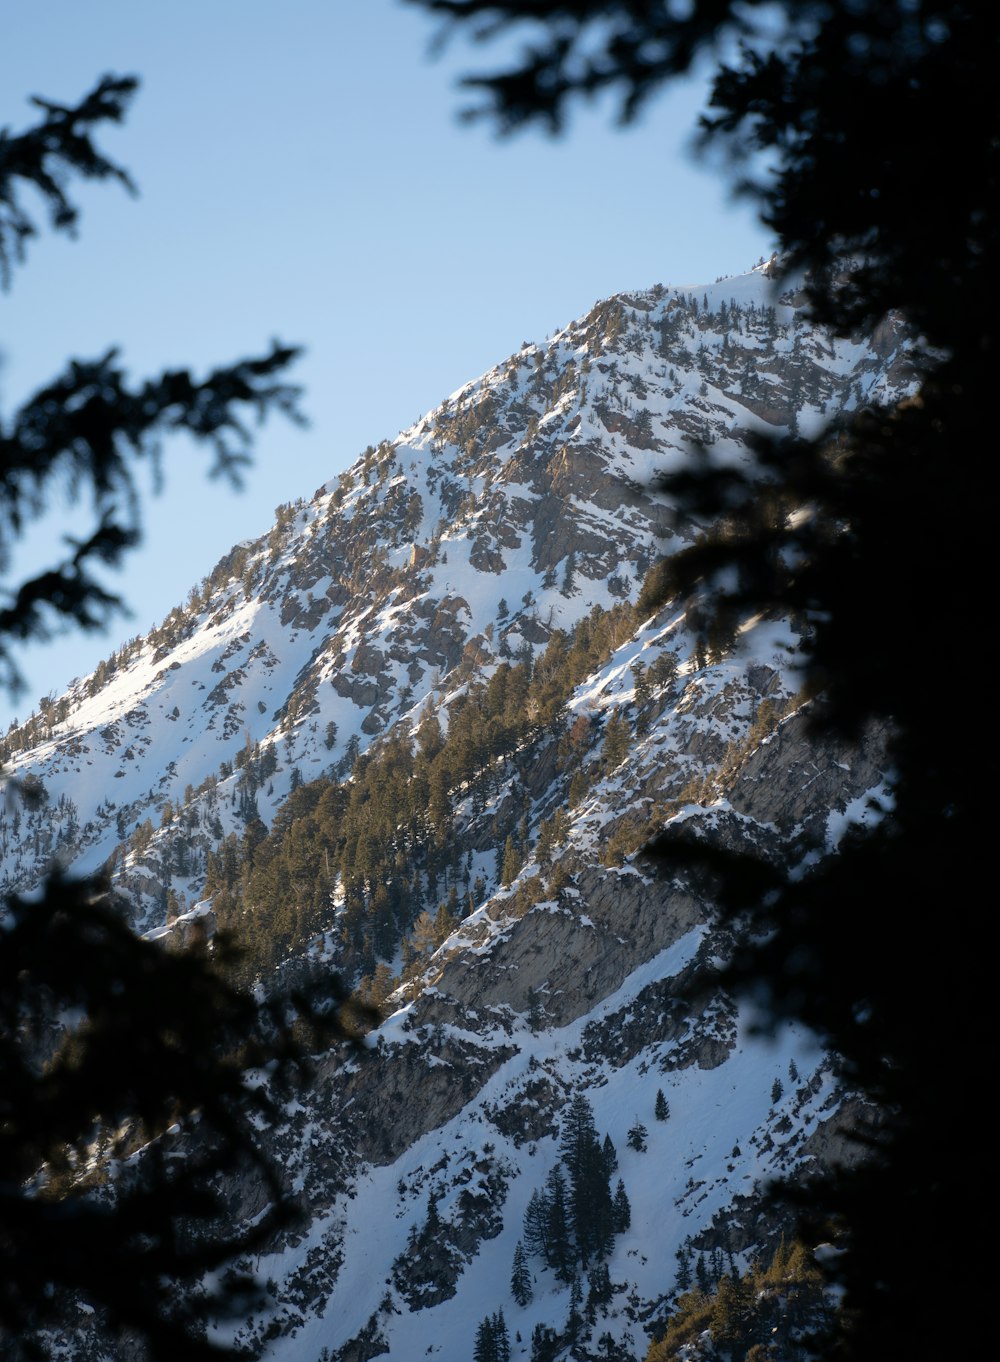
column 522, row 501
column 506, row 514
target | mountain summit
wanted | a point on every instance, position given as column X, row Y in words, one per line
column 419, row 733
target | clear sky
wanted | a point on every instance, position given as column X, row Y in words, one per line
column 303, row 175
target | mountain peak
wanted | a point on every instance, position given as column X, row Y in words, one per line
column 420, row 732
column 513, row 508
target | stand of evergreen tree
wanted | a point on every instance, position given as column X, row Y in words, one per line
column 572, row 1222
column 492, row 1340
column 545, row 1343
column 383, row 834
column 591, row 1213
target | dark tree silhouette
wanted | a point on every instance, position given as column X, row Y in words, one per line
column 44, row 156
column 880, row 181
column 108, row 1043
column 161, row 1062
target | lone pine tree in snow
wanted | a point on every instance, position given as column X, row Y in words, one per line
column 637, row 1136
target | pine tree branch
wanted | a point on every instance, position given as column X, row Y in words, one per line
column 44, row 156
column 89, row 426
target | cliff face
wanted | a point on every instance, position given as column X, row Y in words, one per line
column 532, row 957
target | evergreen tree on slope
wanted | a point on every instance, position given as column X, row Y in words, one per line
column 590, row 1208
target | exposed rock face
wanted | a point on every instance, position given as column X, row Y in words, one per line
column 483, row 535
column 576, row 952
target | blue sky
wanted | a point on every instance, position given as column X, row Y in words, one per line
column 303, row 174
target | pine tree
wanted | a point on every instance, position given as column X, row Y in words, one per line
column 502, row 1337
column 661, row 1108
column 536, row 1015
column 544, row 1343
column 732, row 1317
column 637, row 1136
column 574, row 1319
column 569, row 573
column 520, row 1277
column 543, row 847
column 621, row 1209
column 579, row 787
column 663, row 672
column 643, row 694
column 701, row 1274
column 536, row 1225
column 590, row 1210
column 854, row 214
column 558, row 1248
column 485, row 1348
column 610, row 1155
column 617, row 740
column 157, row 1035
column 510, row 863
column 598, row 1289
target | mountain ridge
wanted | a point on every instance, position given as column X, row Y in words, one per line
column 320, row 644
column 420, row 732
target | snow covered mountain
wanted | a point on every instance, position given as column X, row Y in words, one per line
column 421, row 731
